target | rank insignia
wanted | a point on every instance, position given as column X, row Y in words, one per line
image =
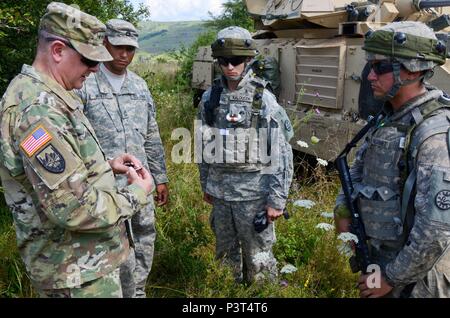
column 51, row 159
column 35, row 141
column 443, row 200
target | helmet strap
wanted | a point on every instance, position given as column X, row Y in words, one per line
column 398, row 83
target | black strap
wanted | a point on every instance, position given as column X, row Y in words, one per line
column 212, row 104
column 257, row 103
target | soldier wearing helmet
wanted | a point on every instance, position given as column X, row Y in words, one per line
column 246, row 166
column 401, row 171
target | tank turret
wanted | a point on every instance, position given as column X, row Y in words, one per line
column 322, row 67
column 301, row 14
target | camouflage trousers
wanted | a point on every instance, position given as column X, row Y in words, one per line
column 135, row 270
column 107, row 286
column 238, row 244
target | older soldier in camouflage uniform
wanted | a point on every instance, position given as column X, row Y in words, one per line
column 240, row 184
column 401, row 173
column 57, row 182
column 119, row 105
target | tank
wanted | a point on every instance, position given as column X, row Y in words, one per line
column 322, row 67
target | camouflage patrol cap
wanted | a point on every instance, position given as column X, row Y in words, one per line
column 84, row 32
column 121, row 32
column 234, row 41
column 411, row 43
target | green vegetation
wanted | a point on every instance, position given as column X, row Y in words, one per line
column 19, row 22
column 160, row 37
column 234, row 13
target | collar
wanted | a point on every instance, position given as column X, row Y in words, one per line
column 415, row 102
column 105, row 87
column 250, row 75
column 51, row 84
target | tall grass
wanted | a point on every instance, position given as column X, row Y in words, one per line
column 184, row 263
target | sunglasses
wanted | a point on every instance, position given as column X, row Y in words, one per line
column 89, row 63
column 382, row 67
column 235, row 60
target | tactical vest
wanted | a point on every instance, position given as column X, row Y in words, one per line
column 242, row 142
column 387, row 190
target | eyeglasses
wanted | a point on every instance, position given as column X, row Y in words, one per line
column 89, row 63
column 235, row 60
column 382, row 67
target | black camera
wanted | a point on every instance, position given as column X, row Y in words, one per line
column 260, row 221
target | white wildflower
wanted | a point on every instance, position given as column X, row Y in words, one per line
column 304, row 203
column 262, row 258
column 345, row 249
column 348, row 237
column 288, row 269
column 325, row 226
column 322, row 162
column 302, row 144
column 327, row 215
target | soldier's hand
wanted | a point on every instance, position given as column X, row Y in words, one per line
column 373, row 292
column 142, row 178
column 121, row 164
column 207, row 198
column 273, row 214
column 162, row 194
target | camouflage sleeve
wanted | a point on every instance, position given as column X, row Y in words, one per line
column 73, row 183
column 280, row 180
column 154, row 147
column 430, row 235
column 356, row 172
column 202, row 166
column 282, row 171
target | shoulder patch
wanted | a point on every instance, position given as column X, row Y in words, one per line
column 35, row 141
column 51, row 159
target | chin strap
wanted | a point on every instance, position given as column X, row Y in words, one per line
column 398, row 83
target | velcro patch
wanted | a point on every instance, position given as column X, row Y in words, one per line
column 35, row 141
column 443, row 200
column 51, row 159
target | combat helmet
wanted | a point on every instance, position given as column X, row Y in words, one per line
column 412, row 45
column 233, row 41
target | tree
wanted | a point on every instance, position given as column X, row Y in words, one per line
column 19, row 22
column 235, row 13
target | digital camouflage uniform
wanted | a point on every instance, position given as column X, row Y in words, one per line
column 410, row 242
column 59, row 187
column 241, row 189
column 126, row 122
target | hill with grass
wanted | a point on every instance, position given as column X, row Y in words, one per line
column 160, row 37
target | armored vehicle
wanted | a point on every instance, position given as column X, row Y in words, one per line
column 323, row 73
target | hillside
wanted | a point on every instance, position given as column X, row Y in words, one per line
column 160, row 37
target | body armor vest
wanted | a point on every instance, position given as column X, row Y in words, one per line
column 238, row 141
column 385, row 193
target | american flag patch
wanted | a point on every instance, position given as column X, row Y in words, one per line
column 35, row 141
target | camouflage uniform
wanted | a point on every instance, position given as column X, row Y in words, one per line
column 125, row 122
column 409, row 236
column 241, row 189
column 67, row 213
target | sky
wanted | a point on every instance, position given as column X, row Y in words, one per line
column 181, row 10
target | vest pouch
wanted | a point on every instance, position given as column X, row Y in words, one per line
column 382, row 219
